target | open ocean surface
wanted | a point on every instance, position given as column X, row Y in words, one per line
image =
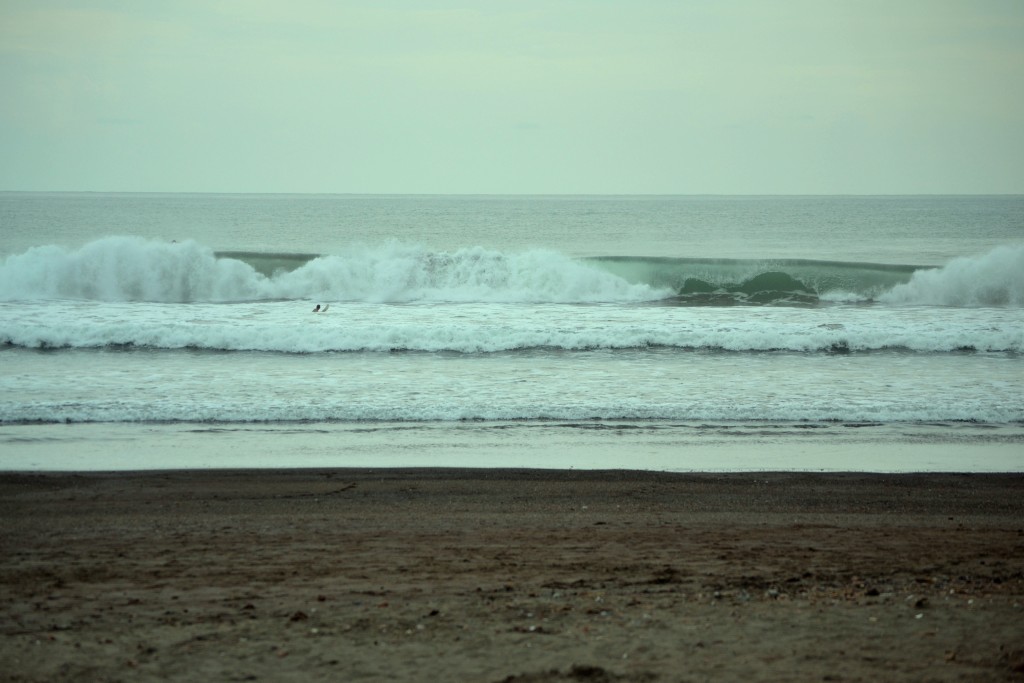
column 683, row 333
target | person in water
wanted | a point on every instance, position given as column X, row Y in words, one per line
column 321, row 310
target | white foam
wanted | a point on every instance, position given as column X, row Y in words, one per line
column 135, row 269
column 289, row 327
column 129, row 269
column 992, row 279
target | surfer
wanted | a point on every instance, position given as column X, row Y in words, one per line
column 317, row 309
column 321, row 310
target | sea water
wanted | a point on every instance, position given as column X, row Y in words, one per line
column 682, row 333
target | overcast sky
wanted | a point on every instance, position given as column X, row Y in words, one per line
column 489, row 96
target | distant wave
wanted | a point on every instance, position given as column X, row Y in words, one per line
column 135, row 269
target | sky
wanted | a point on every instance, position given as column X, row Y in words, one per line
column 513, row 97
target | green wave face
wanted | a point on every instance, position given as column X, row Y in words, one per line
column 269, row 264
column 759, row 282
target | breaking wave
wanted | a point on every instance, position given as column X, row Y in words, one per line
column 135, row 269
column 993, row 279
column 116, row 269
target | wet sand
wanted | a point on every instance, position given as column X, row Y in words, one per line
column 511, row 575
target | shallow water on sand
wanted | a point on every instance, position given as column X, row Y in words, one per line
column 659, row 445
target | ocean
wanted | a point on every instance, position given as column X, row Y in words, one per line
column 155, row 331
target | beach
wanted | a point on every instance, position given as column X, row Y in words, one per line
column 511, row 343
column 511, row 575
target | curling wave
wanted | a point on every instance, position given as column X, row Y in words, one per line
column 115, row 269
column 995, row 279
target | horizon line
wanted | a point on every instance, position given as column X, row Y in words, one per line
column 524, row 194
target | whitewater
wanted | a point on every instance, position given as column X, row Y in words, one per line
column 136, row 269
column 500, row 344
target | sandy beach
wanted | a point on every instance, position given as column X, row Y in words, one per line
column 511, row 575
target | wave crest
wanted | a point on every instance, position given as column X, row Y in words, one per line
column 129, row 269
column 992, row 279
column 136, row 269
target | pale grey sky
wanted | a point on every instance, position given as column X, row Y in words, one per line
column 489, row 96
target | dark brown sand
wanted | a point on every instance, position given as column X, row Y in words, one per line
column 520, row 576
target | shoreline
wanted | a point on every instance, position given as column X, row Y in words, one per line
column 518, row 575
column 653, row 446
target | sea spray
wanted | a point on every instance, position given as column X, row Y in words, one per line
column 135, row 269
column 129, row 269
column 992, row 279
column 125, row 269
